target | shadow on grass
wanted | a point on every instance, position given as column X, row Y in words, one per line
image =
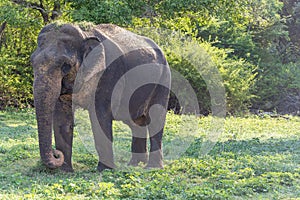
column 17, row 126
column 252, row 147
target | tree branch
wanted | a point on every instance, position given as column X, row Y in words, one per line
column 56, row 12
column 2, row 39
column 34, row 6
column 3, row 26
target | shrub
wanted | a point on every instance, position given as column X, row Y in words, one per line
column 195, row 59
column 18, row 40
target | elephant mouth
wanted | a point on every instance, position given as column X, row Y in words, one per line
column 81, row 99
column 65, row 97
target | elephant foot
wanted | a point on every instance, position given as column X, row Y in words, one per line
column 154, row 165
column 66, row 168
column 155, row 160
column 102, row 166
column 137, row 158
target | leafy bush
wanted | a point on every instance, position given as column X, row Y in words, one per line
column 195, row 59
column 278, row 87
column 108, row 11
column 17, row 44
column 252, row 43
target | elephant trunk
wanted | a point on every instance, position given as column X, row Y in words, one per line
column 46, row 93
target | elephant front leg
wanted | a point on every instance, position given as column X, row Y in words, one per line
column 102, row 130
column 139, row 145
column 63, row 122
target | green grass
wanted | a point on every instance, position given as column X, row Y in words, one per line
column 254, row 158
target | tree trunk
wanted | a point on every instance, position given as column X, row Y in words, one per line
column 3, row 26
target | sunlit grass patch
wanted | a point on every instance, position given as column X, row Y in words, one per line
column 253, row 158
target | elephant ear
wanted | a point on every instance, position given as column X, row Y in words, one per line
column 89, row 44
column 93, row 58
column 92, row 64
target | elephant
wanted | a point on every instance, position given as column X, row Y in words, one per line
column 111, row 72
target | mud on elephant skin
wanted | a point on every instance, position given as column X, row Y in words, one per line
column 115, row 75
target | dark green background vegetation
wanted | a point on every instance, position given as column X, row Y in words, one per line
column 255, row 44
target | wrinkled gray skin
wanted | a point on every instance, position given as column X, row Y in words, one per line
column 66, row 53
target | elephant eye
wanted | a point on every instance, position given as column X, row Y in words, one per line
column 66, row 68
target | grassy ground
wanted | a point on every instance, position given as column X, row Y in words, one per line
column 254, row 158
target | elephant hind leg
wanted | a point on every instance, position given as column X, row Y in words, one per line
column 140, row 130
column 157, row 114
column 139, row 143
column 156, row 155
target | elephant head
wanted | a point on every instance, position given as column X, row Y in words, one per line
column 60, row 53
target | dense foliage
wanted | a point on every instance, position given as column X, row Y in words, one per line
column 20, row 26
column 17, row 43
column 254, row 44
